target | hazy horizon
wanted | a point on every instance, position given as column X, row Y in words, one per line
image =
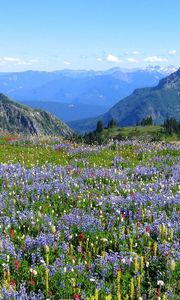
column 130, row 69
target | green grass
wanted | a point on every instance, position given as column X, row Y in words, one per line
column 34, row 155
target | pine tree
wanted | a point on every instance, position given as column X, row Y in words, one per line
column 100, row 126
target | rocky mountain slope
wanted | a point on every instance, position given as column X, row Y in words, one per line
column 19, row 118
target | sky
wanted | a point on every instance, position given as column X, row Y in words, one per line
column 88, row 34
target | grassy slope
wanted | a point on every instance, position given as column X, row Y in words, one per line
column 139, row 132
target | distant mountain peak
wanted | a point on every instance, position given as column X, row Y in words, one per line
column 166, row 70
column 171, row 82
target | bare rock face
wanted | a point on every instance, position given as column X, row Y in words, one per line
column 172, row 81
column 18, row 118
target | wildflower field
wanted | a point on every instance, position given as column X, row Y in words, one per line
column 81, row 222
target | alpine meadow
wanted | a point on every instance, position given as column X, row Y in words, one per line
column 89, row 150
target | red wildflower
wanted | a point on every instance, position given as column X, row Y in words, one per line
column 158, row 291
column 77, row 297
column 33, row 281
column 147, row 229
column 13, row 283
column 12, row 233
column 17, row 264
column 81, row 236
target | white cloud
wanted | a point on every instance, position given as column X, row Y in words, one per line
column 132, row 60
column 172, row 52
column 154, row 59
column 67, row 63
column 17, row 61
column 110, row 58
column 113, row 58
column 135, row 52
column 11, row 59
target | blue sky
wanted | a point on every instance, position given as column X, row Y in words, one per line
column 88, row 34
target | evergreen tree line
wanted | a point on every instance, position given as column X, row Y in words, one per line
column 96, row 136
column 171, row 125
column 146, row 122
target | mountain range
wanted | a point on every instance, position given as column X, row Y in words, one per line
column 160, row 102
column 72, row 95
column 18, row 118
